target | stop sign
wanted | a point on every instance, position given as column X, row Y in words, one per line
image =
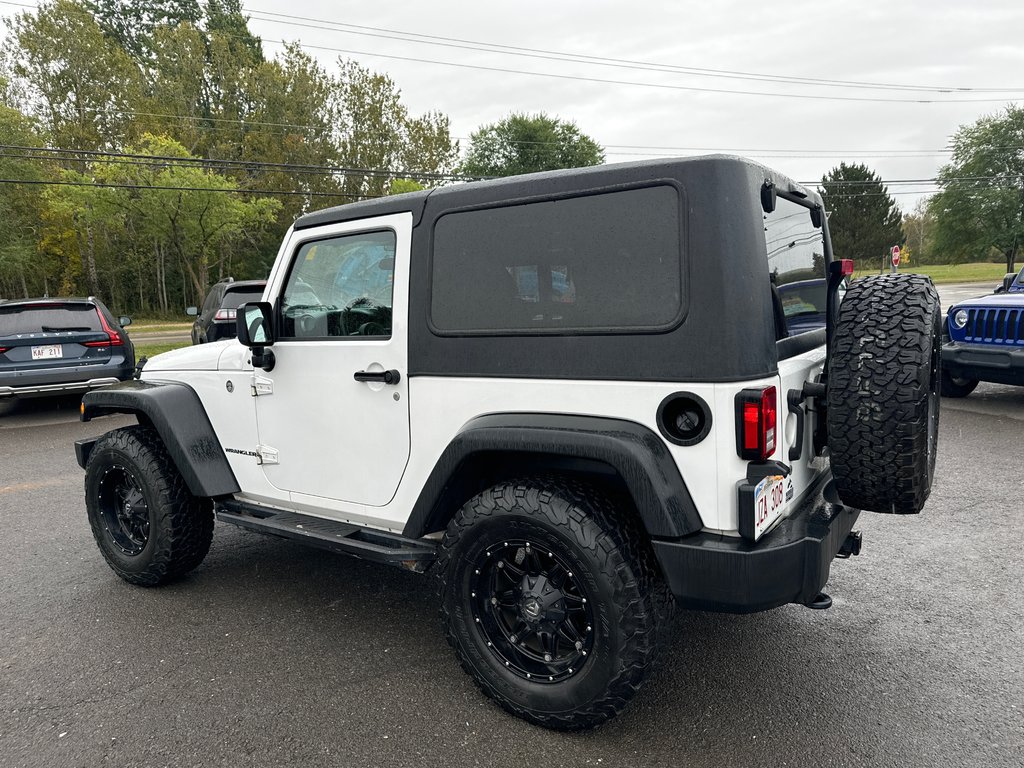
column 895, row 255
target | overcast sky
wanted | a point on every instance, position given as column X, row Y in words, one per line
column 650, row 113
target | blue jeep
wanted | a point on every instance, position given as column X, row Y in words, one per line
column 985, row 340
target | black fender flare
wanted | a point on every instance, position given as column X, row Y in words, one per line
column 177, row 414
column 638, row 455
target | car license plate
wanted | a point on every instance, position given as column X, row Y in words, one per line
column 48, row 352
column 769, row 503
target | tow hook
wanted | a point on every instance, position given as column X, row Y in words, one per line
column 851, row 546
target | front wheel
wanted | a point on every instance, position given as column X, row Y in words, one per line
column 552, row 605
column 149, row 527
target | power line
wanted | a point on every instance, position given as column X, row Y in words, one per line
column 196, row 161
column 663, row 86
column 105, row 185
column 540, row 53
column 464, row 44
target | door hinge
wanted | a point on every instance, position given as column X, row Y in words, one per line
column 261, row 385
column 267, row 454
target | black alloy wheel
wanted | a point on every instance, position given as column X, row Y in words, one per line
column 552, row 600
column 123, row 510
column 532, row 611
column 149, row 528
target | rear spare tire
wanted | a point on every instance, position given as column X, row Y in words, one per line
column 883, row 393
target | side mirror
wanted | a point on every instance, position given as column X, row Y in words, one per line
column 192, row 311
column 1008, row 279
column 254, row 323
column 124, row 321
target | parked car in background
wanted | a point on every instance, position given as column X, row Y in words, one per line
column 56, row 346
column 985, row 342
column 216, row 320
column 1013, row 282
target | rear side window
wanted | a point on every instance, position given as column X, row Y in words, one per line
column 49, row 319
column 796, row 264
column 595, row 264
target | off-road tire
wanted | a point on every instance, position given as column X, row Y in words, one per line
column 616, row 568
column 180, row 526
column 954, row 387
column 883, row 393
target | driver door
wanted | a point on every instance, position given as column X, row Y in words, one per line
column 341, row 311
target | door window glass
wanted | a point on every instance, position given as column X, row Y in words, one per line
column 340, row 286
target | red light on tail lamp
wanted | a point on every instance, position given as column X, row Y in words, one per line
column 115, row 337
column 756, row 421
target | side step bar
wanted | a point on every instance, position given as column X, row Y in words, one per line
column 365, row 543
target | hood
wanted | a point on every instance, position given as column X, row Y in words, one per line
column 997, row 300
column 202, row 357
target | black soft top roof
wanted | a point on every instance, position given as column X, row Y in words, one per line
column 536, row 184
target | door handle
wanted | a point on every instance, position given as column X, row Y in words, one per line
column 384, row 377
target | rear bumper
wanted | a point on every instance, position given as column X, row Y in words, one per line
column 63, row 388
column 998, row 363
column 788, row 565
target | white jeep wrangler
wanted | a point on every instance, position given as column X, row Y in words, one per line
column 578, row 398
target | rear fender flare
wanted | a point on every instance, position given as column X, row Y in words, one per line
column 636, row 454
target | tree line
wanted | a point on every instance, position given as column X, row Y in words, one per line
column 977, row 214
column 186, row 150
column 156, row 149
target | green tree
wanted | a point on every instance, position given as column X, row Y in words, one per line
column 132, row 24
column 81, row 84
column 864, row 221
column 981, row 205
column 524, row 143
column 19, row 269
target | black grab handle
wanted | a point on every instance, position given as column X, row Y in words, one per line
column 384, row 377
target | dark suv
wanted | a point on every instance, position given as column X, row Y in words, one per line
column 216, row 320
column 57, row 346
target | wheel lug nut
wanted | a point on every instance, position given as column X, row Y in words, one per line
column 494, row 601
column 578, row 645
column 547, row 657
column 512, row 639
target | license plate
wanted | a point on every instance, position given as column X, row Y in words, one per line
column 769, row 503
column 48, row 352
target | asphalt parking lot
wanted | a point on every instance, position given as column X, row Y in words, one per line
column 270, row 654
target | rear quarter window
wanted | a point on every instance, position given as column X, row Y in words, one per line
column 796, row 265
column 602, row 263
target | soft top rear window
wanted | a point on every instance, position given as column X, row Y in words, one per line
column 600, row 263
column 48, row 318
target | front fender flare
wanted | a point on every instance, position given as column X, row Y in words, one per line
column 177, row 414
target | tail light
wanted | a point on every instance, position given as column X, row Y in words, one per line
column 3, row 349
column 226, row 314
column 113, row 337
column 756, row 420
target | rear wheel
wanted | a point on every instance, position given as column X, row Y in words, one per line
column 149, row 527
column 953, row 386
column 550, row 605
column 883, row 393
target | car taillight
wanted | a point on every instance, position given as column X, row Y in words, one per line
column 3, row 349
column 756, row 419
column 113, row 337
column 225, row 314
